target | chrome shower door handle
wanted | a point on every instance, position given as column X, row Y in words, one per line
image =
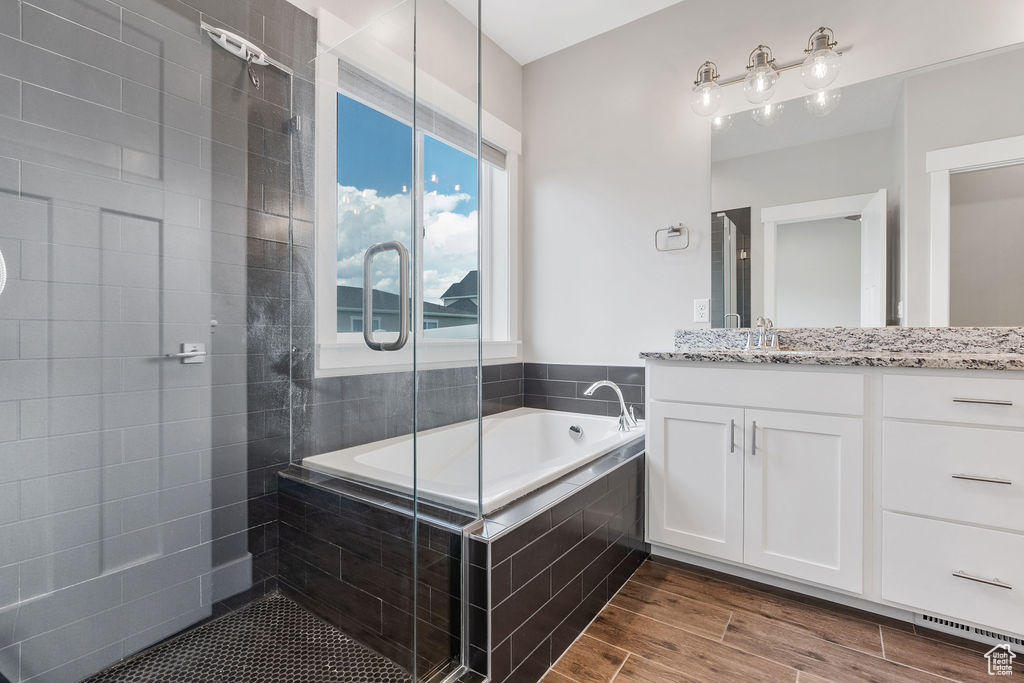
column 403, row 303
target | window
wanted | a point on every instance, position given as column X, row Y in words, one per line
column 458, row 220
column 357, row 324
column 376, row 198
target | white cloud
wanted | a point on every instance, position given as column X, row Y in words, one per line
column 449, row 246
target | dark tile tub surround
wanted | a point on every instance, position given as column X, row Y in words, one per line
column 357, row 409
column 346, row 554
column 561, row 387
column 551, row 562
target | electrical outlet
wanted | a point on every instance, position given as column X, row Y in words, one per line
column 701, row 310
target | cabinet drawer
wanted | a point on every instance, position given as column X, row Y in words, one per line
column 976, row 400
column 784, row 389
column 920, row 558
column 966, row 474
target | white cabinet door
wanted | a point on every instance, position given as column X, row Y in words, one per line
column 804, row 496
column 695, row 478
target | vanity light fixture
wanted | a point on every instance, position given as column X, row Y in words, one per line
column 707, row 94
column 762, row 76
column 822, row 64
column 818, row 70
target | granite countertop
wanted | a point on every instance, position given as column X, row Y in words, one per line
column 963, row 348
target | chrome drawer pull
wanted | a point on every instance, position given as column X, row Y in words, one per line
column 732, row 436
column 987, row 480
column 988, row 582
column 984, row 401
column 753, row 438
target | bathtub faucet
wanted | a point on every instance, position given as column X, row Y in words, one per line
column 626, row 419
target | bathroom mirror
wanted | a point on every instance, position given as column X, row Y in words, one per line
column 888, row 208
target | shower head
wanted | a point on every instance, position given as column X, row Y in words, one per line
column 241, row 48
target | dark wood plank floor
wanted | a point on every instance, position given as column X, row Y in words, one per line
column 674, row 623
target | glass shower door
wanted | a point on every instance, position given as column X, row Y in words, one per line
column 398, row 317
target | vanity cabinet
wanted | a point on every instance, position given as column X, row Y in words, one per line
column 696, row 481
column 952, row 500
column 804, row 497
column 780, row 490
column 897, row 488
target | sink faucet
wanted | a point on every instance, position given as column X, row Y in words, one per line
column 767, row 338
column 626, row 418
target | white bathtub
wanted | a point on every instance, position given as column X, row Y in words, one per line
column 523, row 449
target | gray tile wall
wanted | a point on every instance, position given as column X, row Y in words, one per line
column 560, row 387
column 146, row 190
column 350, row 560
column 348, row 411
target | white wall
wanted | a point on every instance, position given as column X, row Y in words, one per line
column 987, row 247
column 856, row 164
column 817, row 281
column 612, row 152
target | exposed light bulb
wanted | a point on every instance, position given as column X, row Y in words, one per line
column 706, row 95
column 759, row 83
column 767, row 114
column 821, row 66
column 823, row 102
column 721, row 123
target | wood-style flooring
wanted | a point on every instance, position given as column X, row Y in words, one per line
column 680, row 623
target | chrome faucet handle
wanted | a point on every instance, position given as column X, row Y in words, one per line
column 750, row 340
column 632, row 416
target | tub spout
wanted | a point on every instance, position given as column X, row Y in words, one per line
column 626, row 419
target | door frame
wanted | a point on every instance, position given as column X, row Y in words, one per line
column 940, row 164
column 802, row 212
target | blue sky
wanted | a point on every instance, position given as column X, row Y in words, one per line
column 375, row 152
column 374, row 164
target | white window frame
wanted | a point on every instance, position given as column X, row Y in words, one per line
column 340, row 354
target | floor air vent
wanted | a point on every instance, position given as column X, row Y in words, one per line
column 968, row 631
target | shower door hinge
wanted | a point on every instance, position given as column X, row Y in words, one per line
column 293, row 125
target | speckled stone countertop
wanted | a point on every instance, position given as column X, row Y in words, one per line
column 954, row 348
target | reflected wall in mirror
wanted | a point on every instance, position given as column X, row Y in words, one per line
column 850, row 226
column 986, row 213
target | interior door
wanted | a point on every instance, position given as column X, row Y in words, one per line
column 804, row 496
column 872, row 261
column 696, row 485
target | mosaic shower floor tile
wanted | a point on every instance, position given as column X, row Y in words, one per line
column 270, row 641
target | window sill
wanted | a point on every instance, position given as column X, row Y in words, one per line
column 334, row 360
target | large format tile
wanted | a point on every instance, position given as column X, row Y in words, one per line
column 940, row 658
column 694, row 657
column 794, row 647
column 591, row 661
column 690, row 615
column 820, row 622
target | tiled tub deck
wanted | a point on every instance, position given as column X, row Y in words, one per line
column 538, row 570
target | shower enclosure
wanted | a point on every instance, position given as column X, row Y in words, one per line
column 234, row 235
